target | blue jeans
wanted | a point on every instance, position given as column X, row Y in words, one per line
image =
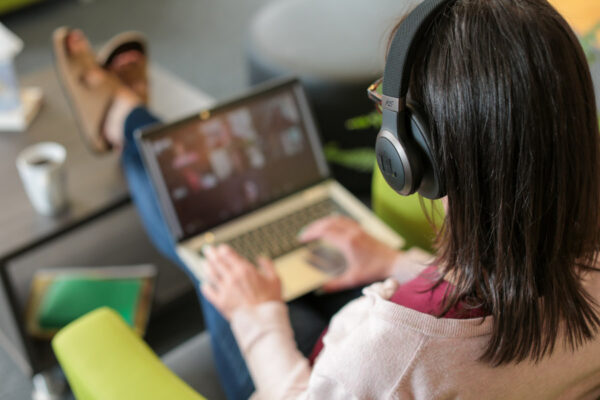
column 309, row 315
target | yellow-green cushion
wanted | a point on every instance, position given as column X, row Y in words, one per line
column 104, row 359
column 404, row 214
column 10, row 5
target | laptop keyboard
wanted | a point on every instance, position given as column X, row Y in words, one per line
column 280, row 237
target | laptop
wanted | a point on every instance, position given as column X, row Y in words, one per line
column 251, row 173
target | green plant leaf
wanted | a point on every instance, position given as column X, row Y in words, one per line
column 363, row 122
column 589, row 43
column 361, row 159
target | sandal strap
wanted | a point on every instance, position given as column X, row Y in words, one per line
column 90, row 103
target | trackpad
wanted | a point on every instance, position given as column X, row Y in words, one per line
column 308, row 268
column 298, row 277
column 326, row 258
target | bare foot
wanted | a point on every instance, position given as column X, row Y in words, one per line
column 125, row 99
column 131, row 68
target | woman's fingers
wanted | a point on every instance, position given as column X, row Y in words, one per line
column 271, row 287
column 330, row 228
column 211, row 272
column 219, row 261
column 233, row 282
column 267, row 266
column 243, row 273
column 240, row 267
column 315, row 229
column 231, row 257
column 211, row 294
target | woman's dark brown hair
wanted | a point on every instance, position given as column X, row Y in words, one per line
column 513, row 116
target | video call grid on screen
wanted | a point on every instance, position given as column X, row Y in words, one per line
column 236, row 158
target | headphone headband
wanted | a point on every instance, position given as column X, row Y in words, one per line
column 401, row 52
column 404, row 149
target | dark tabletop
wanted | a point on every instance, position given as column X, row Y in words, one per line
column 94, row 182
column 97, row 188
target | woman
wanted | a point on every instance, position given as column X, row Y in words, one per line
column 509, row 97
column 510, row 309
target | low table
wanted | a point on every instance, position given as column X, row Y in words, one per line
column 97, row 189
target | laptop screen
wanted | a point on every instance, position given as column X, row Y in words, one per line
column 232, row 159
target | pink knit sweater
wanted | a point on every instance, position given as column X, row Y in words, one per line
column 376, row 349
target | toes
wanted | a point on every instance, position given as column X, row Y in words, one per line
column 82, row 56
column 77, row 43
column 130, row 67
column 126, row 58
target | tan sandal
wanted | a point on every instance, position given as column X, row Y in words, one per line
column 132, row 74
column 90, row 102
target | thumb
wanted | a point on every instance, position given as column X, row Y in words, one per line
column 342, row 282
column 267, row 266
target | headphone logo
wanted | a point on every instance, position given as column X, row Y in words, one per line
column 386, row 166
column 390, row 103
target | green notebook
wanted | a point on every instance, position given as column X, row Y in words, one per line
column 68, row 298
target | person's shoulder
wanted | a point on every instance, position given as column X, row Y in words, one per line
column 360, row 309
column 373, row 323
column 364, row 355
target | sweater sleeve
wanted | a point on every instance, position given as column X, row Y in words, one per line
column 266, row 340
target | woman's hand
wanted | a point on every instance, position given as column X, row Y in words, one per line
column 232, row 282
column 368, row 259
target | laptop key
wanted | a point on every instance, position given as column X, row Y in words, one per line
column 279, row 237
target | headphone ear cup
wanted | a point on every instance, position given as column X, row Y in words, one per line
column 431, row 186
column 393, row 162
column 398, row 157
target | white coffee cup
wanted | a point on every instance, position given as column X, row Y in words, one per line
column 42, row 170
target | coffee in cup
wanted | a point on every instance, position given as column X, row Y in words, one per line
column 42, row 170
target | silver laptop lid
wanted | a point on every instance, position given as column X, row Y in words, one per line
column 234, row 158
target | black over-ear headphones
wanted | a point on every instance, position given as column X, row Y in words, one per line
column 403, row 146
